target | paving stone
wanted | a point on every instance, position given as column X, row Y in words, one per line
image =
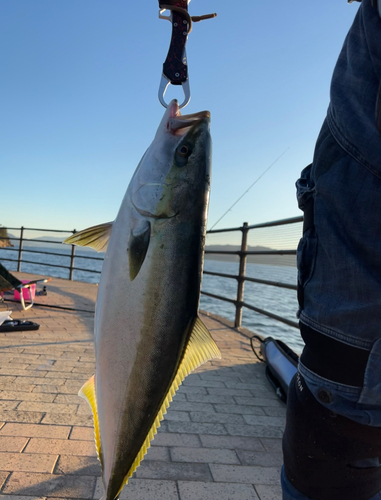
column 20, row 387
column 214, row 391
column 272, row 444
column 188, row 406
column 40, row 366
column 251, row 386
column 197, row 428
column 19, row 370
column 245, row 474
column 173, row 471
column 187, row 389
column 31, row 430
column 177, row 416
column 265, row 459
column 232, row 442
column 254, row 430
column 20, row 497
column 84, row 409
column 275, row 411
column 39, row 381
column 192, row 490
column 47, row 389
column 269, row 492
column 240, row 409
column 26, row 462
column 163, row 427
column 160, row 453
column 68, row 399
column 204, row 455
column 68, row 419
column 220, row 377
column 50, row 485
column 179, row 397
column 4, row 380
column 202, row 383
column 12, row 444
column 83, row 466
column 8, row 405
column 3, row 477
column 260, row 401
column 199, row 398
column 60, row 447
column 144, row 489
column 265, row 421
column 68, row 376
column 26, row 396
column 32, row 417
column 210, row 368
column 221, row 418
column 82, row 434
column 47, row 407
column 175, row 439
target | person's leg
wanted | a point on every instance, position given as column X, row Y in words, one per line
column 332, row 441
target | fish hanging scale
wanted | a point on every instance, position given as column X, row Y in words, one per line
column 175, row 67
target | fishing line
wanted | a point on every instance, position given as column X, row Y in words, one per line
column 248, row 189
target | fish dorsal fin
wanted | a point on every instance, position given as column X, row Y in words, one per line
column 95, row 237
column 138, row 246
column 200, row 349
column 87, row 392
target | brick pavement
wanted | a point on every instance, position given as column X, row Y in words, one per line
column 220, row 440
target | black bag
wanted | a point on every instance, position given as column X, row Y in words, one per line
column 281, row 363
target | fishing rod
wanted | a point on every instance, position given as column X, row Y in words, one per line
column 248, row 189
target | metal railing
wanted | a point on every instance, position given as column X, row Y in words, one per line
column 242, row 254
column 20, row 249
column 241, row 278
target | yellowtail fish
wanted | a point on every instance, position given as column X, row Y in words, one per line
column 148, row 335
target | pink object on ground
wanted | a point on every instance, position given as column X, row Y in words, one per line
column 25, row 291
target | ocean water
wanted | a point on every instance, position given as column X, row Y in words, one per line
column 279, row 301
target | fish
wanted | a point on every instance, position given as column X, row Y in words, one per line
column 148, row 334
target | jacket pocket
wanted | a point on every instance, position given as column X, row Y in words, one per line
column 306, row 256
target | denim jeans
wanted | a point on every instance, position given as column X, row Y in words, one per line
column 290, row 493
column 339, row 259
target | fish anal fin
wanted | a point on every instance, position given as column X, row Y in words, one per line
column 138, row 246
column 200, row 349
column 96, row 237
column 87, row 392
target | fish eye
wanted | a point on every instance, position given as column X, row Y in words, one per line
column 184, row 150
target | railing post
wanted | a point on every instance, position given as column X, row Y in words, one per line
column 72, row 257
column 19, row 259
column 241, row 276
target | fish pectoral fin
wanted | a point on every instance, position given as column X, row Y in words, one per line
column 96, row 237
column 138, row 246
column 87, row 392
column 199, row 349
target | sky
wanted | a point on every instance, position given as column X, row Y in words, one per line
column 78, row 90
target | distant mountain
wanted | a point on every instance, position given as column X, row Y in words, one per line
column 54, row 241
column 275, row 260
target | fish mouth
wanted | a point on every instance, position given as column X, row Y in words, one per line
column 179, row 124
